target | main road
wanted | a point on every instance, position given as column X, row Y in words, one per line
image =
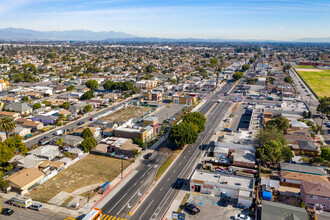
column 158, row 200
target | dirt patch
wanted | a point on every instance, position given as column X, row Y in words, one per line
column 127, row 113
column 92, row 169
column 308, row 69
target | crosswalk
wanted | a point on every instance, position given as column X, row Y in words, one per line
column 103, row 217
column 110, row 217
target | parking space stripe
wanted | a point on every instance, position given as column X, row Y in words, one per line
column 110, row 217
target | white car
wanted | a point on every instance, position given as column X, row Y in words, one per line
column 242, row 217
column 219, row 100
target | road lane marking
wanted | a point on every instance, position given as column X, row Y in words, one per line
column 161, row 189
column 127, row 203
column 117, row 203
column 146, row 209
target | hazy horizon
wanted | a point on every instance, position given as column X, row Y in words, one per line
column 282, row 20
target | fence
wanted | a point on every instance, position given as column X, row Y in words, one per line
column 306, row 84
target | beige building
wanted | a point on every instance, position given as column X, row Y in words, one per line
column 10, row 114
column 146, row 84
column 21, row 181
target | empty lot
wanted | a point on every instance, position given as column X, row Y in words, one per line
column 317, row 79
column 127, row 113
column 90, row 170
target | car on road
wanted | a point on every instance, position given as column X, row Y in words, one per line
column 242, row 217
column 147, row 156
column 36, row 206
column 228, row 130
column 191, row 208
column 81, row 123
column 7, row 211
column 45, row 140
column 178, row 184
column 59, row 132
column 91, row 119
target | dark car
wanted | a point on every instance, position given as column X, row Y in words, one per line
column 191, row 208
column 223, row 201
column 81, row 123
column 178, row 184
column 44, row 140
column 228, row 130
column 7, row 211
column 147, row 156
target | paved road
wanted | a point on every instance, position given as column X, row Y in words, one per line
column 33, row 141
column 120, row 205
column 22, row 214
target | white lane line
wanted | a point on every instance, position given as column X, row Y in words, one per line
column 117, row 203
column 179, row 163
column 168, row 179
column 161, row 189
column 128, row 202
column 146, row 209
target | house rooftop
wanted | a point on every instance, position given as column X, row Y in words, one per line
column 280, row 211
column 303, row 169
column 316, row 188
column 25, row 176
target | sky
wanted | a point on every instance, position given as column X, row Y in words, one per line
column 209, row 19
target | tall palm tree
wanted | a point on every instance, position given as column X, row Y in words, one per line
column 7, row 125
column 60, row 118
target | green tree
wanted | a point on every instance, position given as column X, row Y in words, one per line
column 25, row 98
column 183, row 134
column 108, row 85
column 324, row 105
column 88, row 144
column 87, row 108
column 92, row 84
column 325, row 153
column 66, row 105
column 36, row 105
column 87, row 95
column 280, row 123
column 138, row 141
column 59, row 142
column 70, row 88
column 60, row 118
column 286, row 67
column 271, row 151
column 214, row 62
column 5, row 153
column 270, row 133
column 304, row 114
column 7, row 125
column 87, row 133
column 246, row 67
column 288, row 79
column 151, row 68
column 197, row 119
column 287, row 153
column 135, row 152
column 238, row 75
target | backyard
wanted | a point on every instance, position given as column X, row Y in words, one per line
column 127, row 113
column 91, row 170
column 317, row 79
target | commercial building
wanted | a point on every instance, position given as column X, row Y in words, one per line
column 152, row 95
column 235, row 187
column 146, row 84
column 185, row 99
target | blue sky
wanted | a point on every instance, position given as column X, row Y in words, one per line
column 234, row 19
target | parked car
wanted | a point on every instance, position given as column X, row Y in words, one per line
column 224, row 201
column 147, row 156
column 7, row 211
column 36, row 206
column 81, row 123
column 219, row 101
column 59, row 132
column 228, row 130
column 178, row 184
column 242, row 217
column 191, row 208
column 45, row 140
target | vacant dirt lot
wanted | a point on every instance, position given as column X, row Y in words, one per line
column 127, row 113
column 90, row 170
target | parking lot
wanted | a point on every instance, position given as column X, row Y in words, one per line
column 169, row 110
column 209, row 208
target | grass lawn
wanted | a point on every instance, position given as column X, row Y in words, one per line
column 305, row 66
column 319, row 81
column 167, row 163
column 127, row 113
column 90, row 170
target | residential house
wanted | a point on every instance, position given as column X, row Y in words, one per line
column 119, row 146
column 13, row 115
column 216, row 184
column 96, row 131
column 9, row 99
column 47, row 152
column 22, row 108
column 281, row 211
column 21, row 131
column 27, row 123
column 21, row 181
column 71, row 140
column 152, row 96
column 243, row 158
column 76, row 152
column 315, row 194
column 77, row 107
column 28, row 161
column 45, row 119
column 305, row 148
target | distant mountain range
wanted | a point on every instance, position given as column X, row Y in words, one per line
column 21, row 34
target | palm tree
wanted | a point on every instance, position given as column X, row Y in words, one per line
column 60, row 118
column 7, row 125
